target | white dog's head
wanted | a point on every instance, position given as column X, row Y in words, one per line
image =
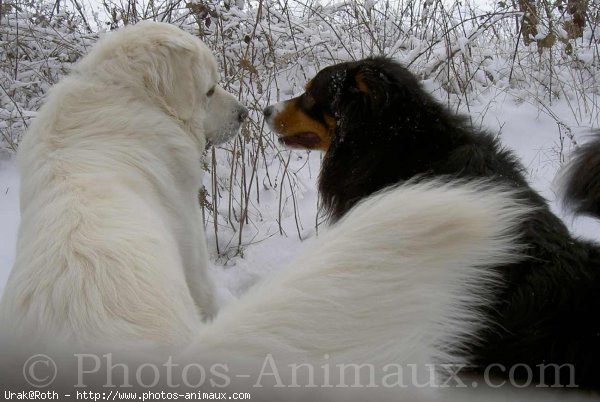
column 173, row 69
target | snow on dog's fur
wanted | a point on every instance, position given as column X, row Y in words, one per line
column 111, row 243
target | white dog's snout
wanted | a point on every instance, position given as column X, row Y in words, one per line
column 224, row 117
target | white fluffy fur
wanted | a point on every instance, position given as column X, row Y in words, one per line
column 111, row 244
column 394, row 281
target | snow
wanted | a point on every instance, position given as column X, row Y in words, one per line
column 267, row 250
column 9, row 215
column 527, row 128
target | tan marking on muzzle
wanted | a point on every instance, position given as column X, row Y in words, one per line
column 291, row 120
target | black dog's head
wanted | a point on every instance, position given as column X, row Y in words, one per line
column 375, row 123
column 342, row 97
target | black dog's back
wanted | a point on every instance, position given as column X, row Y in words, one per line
column 398, row 131
column 546, row 310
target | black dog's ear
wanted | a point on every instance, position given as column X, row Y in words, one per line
column 373, row 86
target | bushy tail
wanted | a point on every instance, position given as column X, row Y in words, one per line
column 581, row 180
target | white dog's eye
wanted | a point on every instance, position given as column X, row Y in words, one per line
column 210, row 92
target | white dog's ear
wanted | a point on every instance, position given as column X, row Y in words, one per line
column 170, row 77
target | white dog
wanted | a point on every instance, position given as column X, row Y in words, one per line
column 111, row 244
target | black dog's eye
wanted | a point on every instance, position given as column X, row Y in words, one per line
column 308, row 101
column 210, row 92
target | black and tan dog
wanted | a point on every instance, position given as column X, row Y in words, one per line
column 378, row 127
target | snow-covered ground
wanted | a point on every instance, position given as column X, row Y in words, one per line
column 526, row 128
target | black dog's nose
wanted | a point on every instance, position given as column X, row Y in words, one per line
column 268, row 111
column 243, row 114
